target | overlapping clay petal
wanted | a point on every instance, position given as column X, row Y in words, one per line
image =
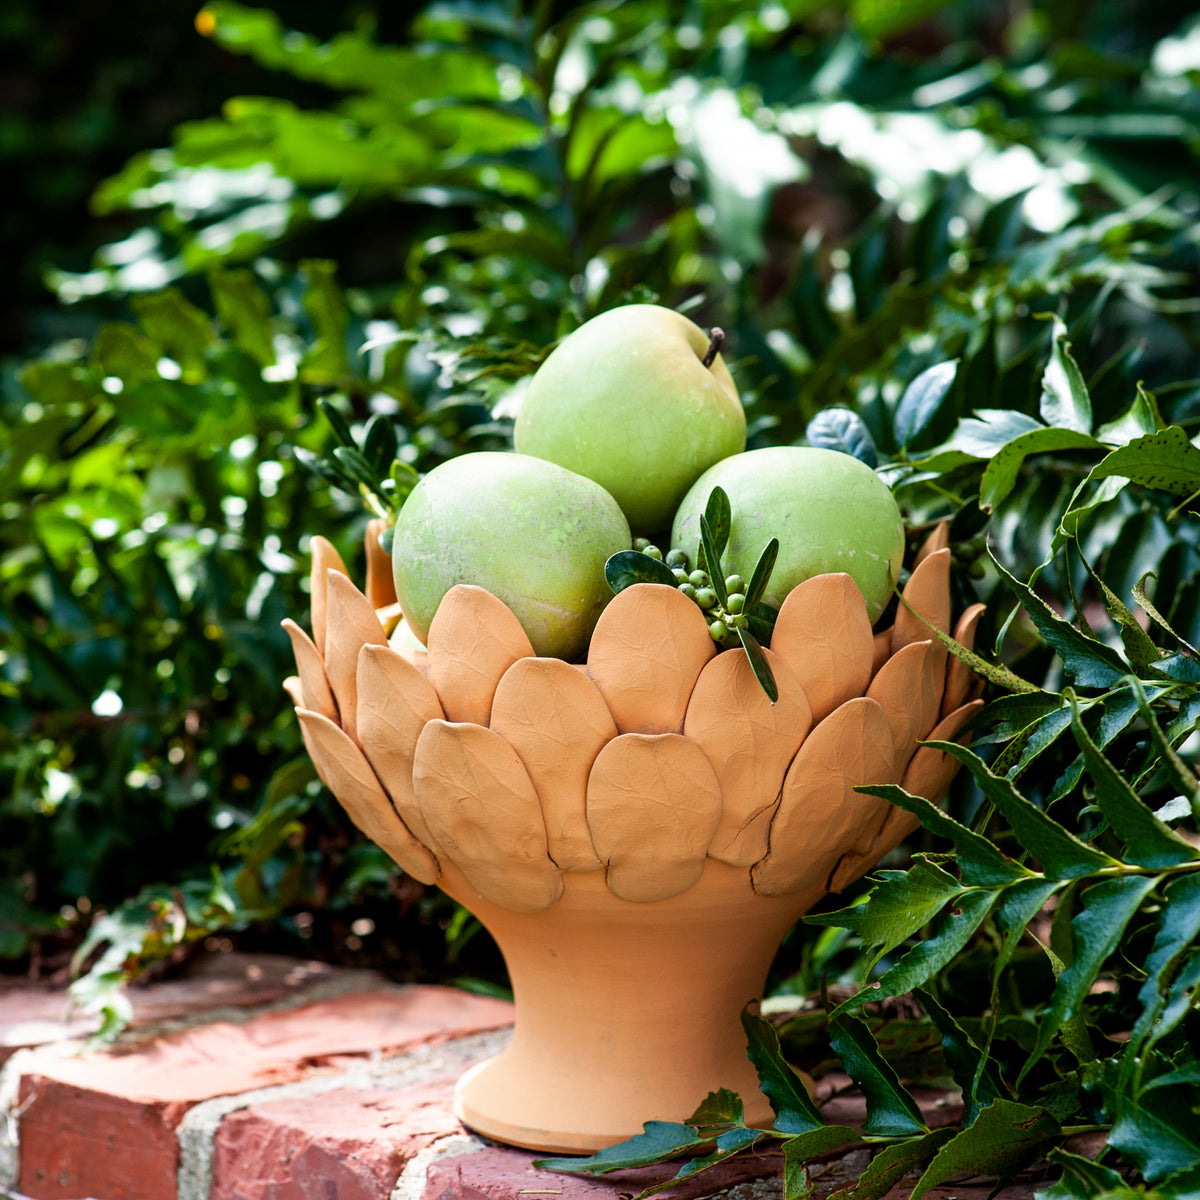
column 352, row 623
column 473, row 639
column 314, row 687
column 961, row 682
column 653, row 805
column 483, row 814
column 647, row 650
column 824, row 634
column 381, row 587
column 324, row 559
column 347, row 774
column 750, row 743
column 552, row 714
column 820, row 815
column 395, row 702
column 928, row 591
column 909, row 689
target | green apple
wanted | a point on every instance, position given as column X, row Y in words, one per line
column 829, row 511
column 532, row 533
column 628, row 401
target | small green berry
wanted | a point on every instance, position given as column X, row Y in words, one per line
column 717, row 631
column 735, row 602
column 677, row 558
column 735, row 583
column 740, row 621
column 653, row 552
column 706, row 598
column 699, row 579
column 688, row 590
column 680, row 574
column 640, row 543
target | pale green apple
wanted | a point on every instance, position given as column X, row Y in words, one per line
column 533, row 534
column 829, row 511
column 627, row 401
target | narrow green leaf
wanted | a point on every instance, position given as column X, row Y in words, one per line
column 931, row 954
column 1000, row 475
column 1005, row 1137
column 793, row 1107
column 1182, row 776
column 980, row 863
column 1065, row 400
column 1018, row 906
column 1092, row 663
column 379, row 445
column 973, row 1071
column 719, row 516
column 891, row 1111
column 712, row 560
column 758, row 664
column 761, row 576
column 729, row 1143
column 1149, row 842
column 922, row 399
column 332, row 414
column 1008, row 716
column 1096, row 930
column 357, row 467
column 1142, row 651
column 628, row 567
column 892, row 1164
column 1062, row 855
column 1165, row 460
column 1142, row 597
column 897, row 907
column 659, row 1141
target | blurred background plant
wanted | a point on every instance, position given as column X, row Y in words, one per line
column 956, row 239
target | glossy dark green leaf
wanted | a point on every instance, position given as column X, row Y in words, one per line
column 1061, row 853
column 1149, row 842
column 1165, row 460
column 758, row 664
column 793, row 1107
column 844, row 431
column 1097, row 929
column 891, row 1111
column 659, row 1141
column 341, row 430
column 1065, row 400
column 761, row 576
column 980, row 863
column 1021, row 902
column 727, row 1144
column 356, row 466
column 379, row 445
column 718, row 1110
column 1081, row 1177
column 896, row 907
column 892, row 1164
column 628, row 567
column 710, row 560
column 719, row 516
column 1002, row 470
column 1005, row 1137
column 1180, row 774
column 976, row 1074
column 1159, row 1135
column 922, row 399
column 799, row 1149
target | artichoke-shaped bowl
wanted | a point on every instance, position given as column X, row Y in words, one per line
column 639, row 831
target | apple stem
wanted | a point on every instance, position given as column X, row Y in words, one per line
column 716, row 336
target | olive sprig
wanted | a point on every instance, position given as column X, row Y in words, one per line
column 733, row 608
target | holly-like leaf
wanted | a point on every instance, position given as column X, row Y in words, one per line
column 1149, row 842
column 1061, row 853
column 922, row 399
column 1000, row 475
column 1081, row 1177
column 659, row 1141
column 896, row 907
column 842, row 430
column 891, row 1111
column 1096, row 931
column 793, row 1107
column 1159, row 1134
column 1165, row 460
column 798, row 1150
column 1065, row 400
column 973, row 1071
column 891, row 1165
column 721, row 1109
column 1005, row 1137
column 628, row 567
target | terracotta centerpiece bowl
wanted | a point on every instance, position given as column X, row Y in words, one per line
column 638, row 831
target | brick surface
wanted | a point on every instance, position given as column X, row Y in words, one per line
column 103, row 1124
column 349, row 1143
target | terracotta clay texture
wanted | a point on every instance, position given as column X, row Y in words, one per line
column 645, row 824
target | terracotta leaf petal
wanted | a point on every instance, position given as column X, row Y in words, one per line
column 348, row 775
column 324, row 559
column 352, row 624
column 928, row 591
column 960, row 679
column 291, row 685
column 552, row 714
column 909, row 688
column 883, row 650
column 750, row 744
column 928, row 774
column 395, row 702
column 938, row 539
column 483, row 813
column 473, row 639
column 653, row 805
column 381, row 587
column 824, row 634
column 820, row 815
column 314, row 687
column 647, row 650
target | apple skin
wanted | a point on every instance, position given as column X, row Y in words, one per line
column 533, row 534
column 829, row 511
column 627, row 401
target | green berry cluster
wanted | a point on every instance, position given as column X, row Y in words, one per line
column 723, row 620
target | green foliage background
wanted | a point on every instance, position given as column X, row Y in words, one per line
column 955, row 240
